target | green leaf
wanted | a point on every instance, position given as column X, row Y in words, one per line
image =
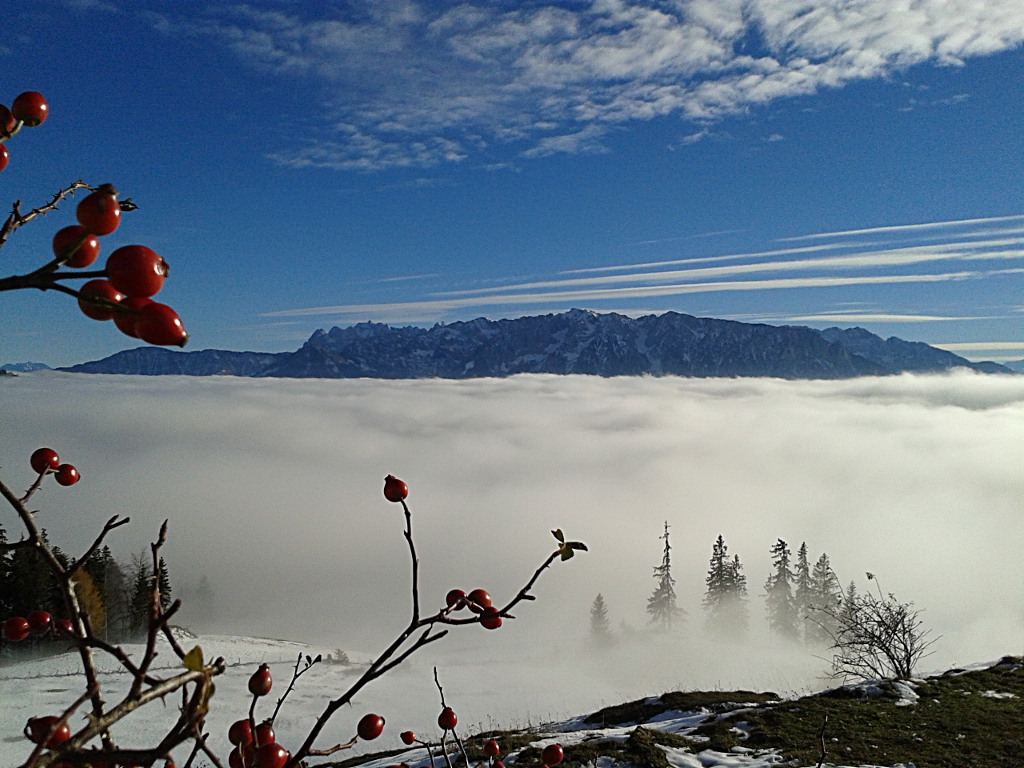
column 557, row 533
column 577, row 545
column 193, row 659
column 567, row 553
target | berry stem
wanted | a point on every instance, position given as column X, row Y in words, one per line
column 5, row 135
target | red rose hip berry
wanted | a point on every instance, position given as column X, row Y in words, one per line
column 159, row 324
column 447, row 720
column 271, row 755
column 480, row 598
column 5, row 156
column 394, row 489
column 136, row 270
column 260, row 682
column 99, row 212
column 7, row 120
column 44, row 460
column 39, row 622
column 64, row 628
column 265, row 733
column 16, row 629
column 455, row 599
column 38, row 727
column 552, row 754
column 67, row 475
column 78, row 247
column 240, row 732
column 98, row 289
column 490, row 618
column 370, row 727
column 128, row 322
column 491, row 748
column 407, row 737
column 30, row 107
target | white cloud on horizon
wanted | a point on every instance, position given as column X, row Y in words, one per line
column 417, row 84
column 272, row 488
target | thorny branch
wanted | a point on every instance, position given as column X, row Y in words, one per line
column 146, row 688
column 16, row 218
column 388, row 660
column 45, row 277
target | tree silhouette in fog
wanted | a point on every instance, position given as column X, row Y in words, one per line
column 662, row 604
column 725, row 600
column 783, row 618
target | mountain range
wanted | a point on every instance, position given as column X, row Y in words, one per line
column 577, row 341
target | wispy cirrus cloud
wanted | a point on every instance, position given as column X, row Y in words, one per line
column 979, row 249
column 418, row 84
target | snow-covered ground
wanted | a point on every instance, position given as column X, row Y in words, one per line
column 406, row 698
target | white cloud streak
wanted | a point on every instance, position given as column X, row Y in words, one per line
column 832, row 266
column 437, row 307
column 418, row 84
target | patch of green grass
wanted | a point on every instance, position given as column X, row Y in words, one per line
column 952, row 725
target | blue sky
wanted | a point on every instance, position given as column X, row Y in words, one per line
column 308, row 164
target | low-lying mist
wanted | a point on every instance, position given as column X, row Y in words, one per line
column 273, row 491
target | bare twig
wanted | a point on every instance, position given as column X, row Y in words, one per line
column 112, row 523
column 398, row 652
column 821, row 740
column 296, row 674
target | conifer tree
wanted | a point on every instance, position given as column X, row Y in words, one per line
column 848, row 605
column 6, row 588
column 780, row 603
column 142, row 593
column 725, row 599
column 802, row 591
column 599, row 623
column 662, row 604
column 164, row 585
column 826, row 594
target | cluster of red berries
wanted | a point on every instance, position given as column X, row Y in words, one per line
column 259, row 748
column 134, row 274
column 29, row 109
column 45, row 461
column 38, row 623
column 478, row 600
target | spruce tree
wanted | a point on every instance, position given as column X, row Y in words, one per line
column 164, row 585
column 599, row 623
column 779, row 600
column 662, row 604
column 6, row 587
column 848, row 605
column 802, row 591
column 826, row 594
column 725, row 599
column 142, row 595
column 118, row 601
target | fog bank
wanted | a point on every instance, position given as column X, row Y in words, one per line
column 273, row 491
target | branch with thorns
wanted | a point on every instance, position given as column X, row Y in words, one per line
column 196, row 681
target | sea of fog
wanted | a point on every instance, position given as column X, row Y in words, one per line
column 273, row 492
